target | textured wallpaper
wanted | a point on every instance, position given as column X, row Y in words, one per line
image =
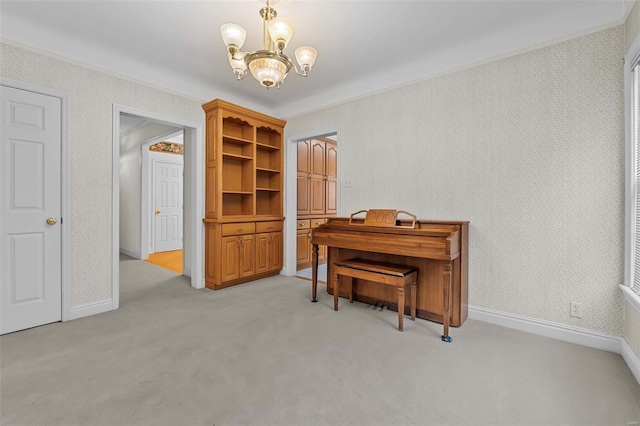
column 92, row 97
column 530, row 149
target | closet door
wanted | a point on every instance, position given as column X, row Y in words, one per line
column 304, row 177
column 318, row 158
column 331, row 173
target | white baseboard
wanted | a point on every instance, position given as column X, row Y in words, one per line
column 91, row 309
column 131, row 253
column 580, row 336
column 631, row 359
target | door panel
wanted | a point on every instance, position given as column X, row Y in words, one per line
column 230, row 260
column 262, row 253
column 317, row 158
column 304, row 152
column 275, row 252
column 247, row 255
column 30, row 248
column 331, row 163
column 317, row 196
column 303, row 194
column 168, row 199
column 303, row 246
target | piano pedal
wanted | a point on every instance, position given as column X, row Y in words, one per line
column 375, row 305
column 382, row 307
column 446, row 339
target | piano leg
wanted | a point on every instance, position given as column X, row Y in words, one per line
column 314, row 273
column 400, row 307
column 336, row 287
column 447, row 283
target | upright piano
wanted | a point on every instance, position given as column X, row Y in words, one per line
column 439, row 249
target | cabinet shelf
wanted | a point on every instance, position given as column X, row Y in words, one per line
column 238, row 192
column 264, row 169
column 267, row 147
column 268, row 189
column 234, row 140
column 236, row 156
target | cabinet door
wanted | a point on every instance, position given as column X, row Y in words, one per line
column 275, row 251
column 304, row 157
column 262, row 253
column 317, row 196
column 303, row 246
column 229, row 263
column 247, row 255
column 331, row 188
column 318, row 153
column 304, row 189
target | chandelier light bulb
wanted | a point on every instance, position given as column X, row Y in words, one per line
column 237, row 63
column 306, row 57
column 280, row 31
column 233, row 36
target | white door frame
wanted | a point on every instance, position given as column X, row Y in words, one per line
column 65, row 185
column 291, row 173
column 193, row 140
column 146, row 195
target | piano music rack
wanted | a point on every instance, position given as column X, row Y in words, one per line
column 385, row 218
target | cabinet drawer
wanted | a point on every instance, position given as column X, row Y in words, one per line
column 238, row 228
column 275, row 226
column 317, row 222
column 303, row 224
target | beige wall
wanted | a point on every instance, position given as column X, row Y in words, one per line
column 530, row 149
column 631, row 330
column 92, row 96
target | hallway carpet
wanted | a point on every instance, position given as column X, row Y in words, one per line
column 262, row 354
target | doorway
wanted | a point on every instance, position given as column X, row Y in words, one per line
column 134, row 132
column 314, row 163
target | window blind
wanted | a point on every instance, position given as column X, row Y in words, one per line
column 635, row 285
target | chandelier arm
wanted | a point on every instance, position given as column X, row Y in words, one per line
column 305, row 70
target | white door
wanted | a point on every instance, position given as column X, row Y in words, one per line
column 168, row 210
column 30, row 235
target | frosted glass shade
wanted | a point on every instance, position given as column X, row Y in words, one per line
column 269, row 72
column 306, row 56
column 237, row 64
column 233, row 35
column 281, row 30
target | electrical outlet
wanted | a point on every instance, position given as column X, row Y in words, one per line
column 347, row 183
column 576, row 310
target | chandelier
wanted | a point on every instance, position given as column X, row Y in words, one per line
column 270, row 65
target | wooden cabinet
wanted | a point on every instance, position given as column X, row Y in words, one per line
column 303, row 243
column 317, row 186
column 244, row 194
column 238, row 253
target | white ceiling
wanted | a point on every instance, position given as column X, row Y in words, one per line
column 363, row 46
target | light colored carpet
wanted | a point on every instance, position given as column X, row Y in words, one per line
column 322, row 273
column 262, row 354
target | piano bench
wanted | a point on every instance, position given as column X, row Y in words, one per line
column 385, row 273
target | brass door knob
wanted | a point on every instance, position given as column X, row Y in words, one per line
column 52, row 221
column 157, row 211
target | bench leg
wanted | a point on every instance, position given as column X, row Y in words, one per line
column 350, row 289
column 336, row 287
column 413, row 300
column 400, row 307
